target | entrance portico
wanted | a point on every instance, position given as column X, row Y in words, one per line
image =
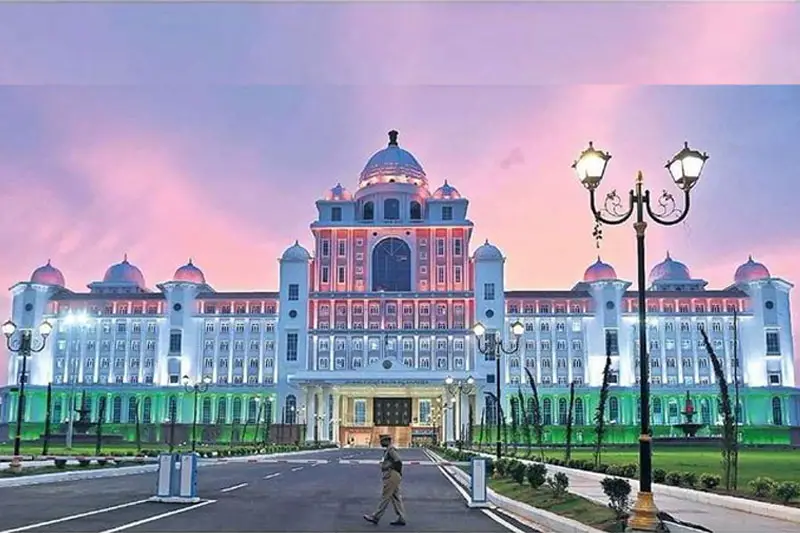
column 341, row 405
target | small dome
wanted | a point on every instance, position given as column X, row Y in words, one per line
column 296, row 253
column 599, row 271
column 488, row 252
column 446, row 192
column 751, row 271
column 48, row 275
column 124, row 272
column 190, row 274
column 670, row 270
column 338, row 193
column 393, row 161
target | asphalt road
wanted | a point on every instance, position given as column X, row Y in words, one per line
column 265, row 497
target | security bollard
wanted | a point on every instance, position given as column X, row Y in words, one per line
column 177, row 478
column 478, row 496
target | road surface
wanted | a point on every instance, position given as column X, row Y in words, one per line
column 265, row 497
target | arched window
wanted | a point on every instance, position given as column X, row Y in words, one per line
column 102, row 410
column 705, row 411
column 133, row 410
column 391, row 209
column 562, row 411
column 580, row 413
column 291, row 409
column 391, row 266
column 116, row 410
column 57, row 408
column 672, row 412
column 222, row 410
column 613, row 409
column 547, row 412
column 237, row 410
column 416, row 211
column 172, row 408
column 252, row 408
column 658, row 412
column 147, row 411
column 777, row 411
column 491, row 411
column 529, row 411
column 369, row 211
column 205, row 417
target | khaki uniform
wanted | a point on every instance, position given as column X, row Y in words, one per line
column 391, row 486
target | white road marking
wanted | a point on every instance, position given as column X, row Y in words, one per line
column 316, row 464
column 295, row 469
column 509, row 526
column 239, row 486
column 123, row 527
column 74, row 517
column 276, row 474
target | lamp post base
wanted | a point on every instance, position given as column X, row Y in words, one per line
column 15, row 466
column 644, row 514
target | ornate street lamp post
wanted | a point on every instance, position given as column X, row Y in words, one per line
column 685, row 168
column 493, row 347
column 24, row 344
column 197, row 388
column 459, row 388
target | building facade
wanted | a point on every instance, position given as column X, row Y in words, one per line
column 364, row 331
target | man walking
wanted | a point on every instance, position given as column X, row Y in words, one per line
column 392, row 474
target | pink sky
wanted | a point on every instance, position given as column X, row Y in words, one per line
column 165, row 168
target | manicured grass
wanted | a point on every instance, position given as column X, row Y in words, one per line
column 88, row 450
column 569, row 505
column 30, row 471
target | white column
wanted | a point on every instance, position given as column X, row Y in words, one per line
column 336, row 416
column 309, row 414
column 326, row 418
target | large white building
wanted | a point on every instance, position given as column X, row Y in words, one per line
column 364, row 330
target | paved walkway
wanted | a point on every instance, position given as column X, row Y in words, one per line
column 718, row 519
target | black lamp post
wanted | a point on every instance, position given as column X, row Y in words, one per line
column 685, row 168
column 24, row 344
column 196, row 388
column 493, row 347
column 458, row 388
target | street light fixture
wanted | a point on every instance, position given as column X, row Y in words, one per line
column 493, row 347
column 197, row 388
column 685, row 168
column 24, row 344
column 81, row 320
column 458, row 388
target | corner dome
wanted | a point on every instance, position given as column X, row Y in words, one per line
column 390, row 163
column 48, row 275
column 599, row 271
column 670, row 270
column 189, row 273
column 751, row 271
column 338, row 193
column 296, row 253
column 124, row 272
column 446, row 192
column 488, row 252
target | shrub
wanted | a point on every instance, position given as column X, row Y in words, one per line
column 659, row 475
column 518, row 471
column 102, row 462
column 630, row 470
column 601, row 468
column 84, row 462
column 762, row 486
column 536, row 474
column 559, row 484
column 60, row 463
column 710, row 481
column 618, row 491
column 786, row 491
column 489, row 467
column 688, row 479
column 614, row 470
column 501, row 468
column 673, row 478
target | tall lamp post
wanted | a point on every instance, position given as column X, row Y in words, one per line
column 685, row 168
column 458, row 388
column 24, row 344
column 82, row 321
column 197, row 388
column 492, row 346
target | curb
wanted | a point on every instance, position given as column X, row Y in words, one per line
column 754, row 507
column 551, row 521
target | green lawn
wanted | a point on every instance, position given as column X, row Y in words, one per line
column 117, row 449
column 780, row 465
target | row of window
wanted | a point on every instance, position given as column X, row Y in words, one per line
column 107, row 327
column 238, row 362
column 238, row 346
column 391, row 309
column 440, row 247
column 441, row 274
column 375, row 325
column 112, row 308
column 239, row 327
column 357, row 362
column 239, row 308
column 390, row 344
column 105, row 346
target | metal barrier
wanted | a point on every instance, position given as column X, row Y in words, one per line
column 478, row 494
column 177, row 478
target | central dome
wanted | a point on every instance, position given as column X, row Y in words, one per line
column 392, row 163
column 124, row 272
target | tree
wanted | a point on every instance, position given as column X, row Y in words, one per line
column 514, row 425
column 138, row 427
column 728, row 425
column 538, row 429
column 568, row 451
column 525, row 421
column 736, row 409
column 600, row 413
column 470, row 424
column 481, row 435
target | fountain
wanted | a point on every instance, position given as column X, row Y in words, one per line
column 689, row 427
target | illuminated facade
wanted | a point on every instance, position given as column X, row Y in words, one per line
column 382, row 310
